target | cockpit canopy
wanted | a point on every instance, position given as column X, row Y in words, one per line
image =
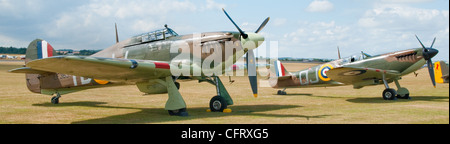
column 355, row 57
column 156, row 35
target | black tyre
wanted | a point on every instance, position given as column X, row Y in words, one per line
column 389, row 94
column 55, row 100
column 217, row 104
column 280, row 92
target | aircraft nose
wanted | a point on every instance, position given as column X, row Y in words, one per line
column 430, row 53
column 252, row 41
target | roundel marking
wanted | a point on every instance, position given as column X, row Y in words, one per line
column 323, row 72
column 353, row 73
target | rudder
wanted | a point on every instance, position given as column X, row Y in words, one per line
column 278, row 73
column 440, row 71
column 278, row 70
column 39, row 49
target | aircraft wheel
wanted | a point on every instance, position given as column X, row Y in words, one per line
column 217, row 104
column 280, row 92
column 55, row 100
column 389, row 94
column 179, row 112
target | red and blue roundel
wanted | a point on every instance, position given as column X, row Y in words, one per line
column 323, row 72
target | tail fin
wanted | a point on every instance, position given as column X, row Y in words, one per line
column 278, row 73
column 441, row 72
column 39, row 49
column 278, row 70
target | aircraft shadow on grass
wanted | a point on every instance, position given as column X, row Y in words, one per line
column 413, row 98
column 296, row 94
column 158, row 115
column 308, row 94
column 378, row 99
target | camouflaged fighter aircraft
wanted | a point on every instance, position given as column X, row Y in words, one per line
column 358, row 70
column 144, row 60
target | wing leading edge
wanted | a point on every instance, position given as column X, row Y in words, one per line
column 101, row 68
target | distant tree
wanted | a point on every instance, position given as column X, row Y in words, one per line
column 87, row 52
column 13, row 50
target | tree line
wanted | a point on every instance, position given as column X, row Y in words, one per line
column 14, row 50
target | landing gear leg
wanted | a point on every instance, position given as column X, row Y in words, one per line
column 220, row 102
column 282, row 92
column 402, row 93
column 55, row 99
column 175, row 105
column 388, row 93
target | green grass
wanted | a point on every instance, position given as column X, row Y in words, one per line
column 125, row 104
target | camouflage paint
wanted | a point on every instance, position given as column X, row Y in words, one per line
column 401, row 62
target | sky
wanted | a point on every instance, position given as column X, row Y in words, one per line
column 302, row 29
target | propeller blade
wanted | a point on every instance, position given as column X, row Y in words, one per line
column 433, row 42
column 262, row 25
column 339, row 53
column 117, row 35
column 431, row 71
column 251, row 70
column 244, row 35
column 420, row 42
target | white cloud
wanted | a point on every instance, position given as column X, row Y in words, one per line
column 279, row 21
column 6, row 41
column 320, row 6
column 19, row 9
column 90, row 22
column 247, row 26
column 397, row 18
column 210, row 4
column 383, row 28
column 405, row 1
column 314, row 39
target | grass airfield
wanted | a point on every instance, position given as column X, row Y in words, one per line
column 125, row 104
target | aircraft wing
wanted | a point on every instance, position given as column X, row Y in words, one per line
column 27, row 70
column 352, row 75
column 101, row 68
